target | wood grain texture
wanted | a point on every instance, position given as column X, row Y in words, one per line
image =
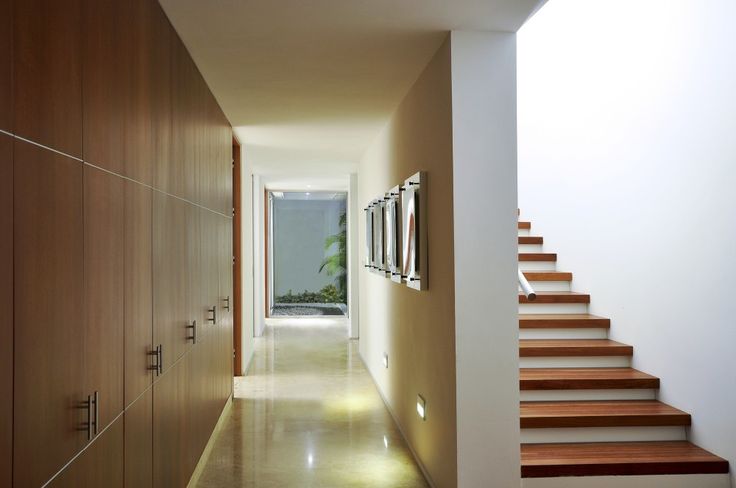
column 237, row 264
column 49, row 313
column 557, row 297
column 617, row 459
column 171, row 429
column 139, row 442
column 531, row 240
column 161, row 113
column 537, row 256
column 585, row 379
column 573, row 348
column 47, row 74
column 562, row 321
column 138, row 315
column 548, row 276
column 104, row 206
column 100, row 465
column 6, row 63
column 6, row 303
column 621, row 413
column 524, row 225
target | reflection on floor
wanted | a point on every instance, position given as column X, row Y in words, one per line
column 309, row 415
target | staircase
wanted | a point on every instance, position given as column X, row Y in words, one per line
column 584, row 411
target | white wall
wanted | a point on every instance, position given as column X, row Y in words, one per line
column 484, row 200
column 627, row 166
column 246, row 226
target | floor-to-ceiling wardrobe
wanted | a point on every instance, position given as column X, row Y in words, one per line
column 115, row 248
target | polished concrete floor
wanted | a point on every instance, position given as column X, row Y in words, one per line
column 308, row 415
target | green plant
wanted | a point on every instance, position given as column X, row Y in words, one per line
column 328, row 294
column 336, row 264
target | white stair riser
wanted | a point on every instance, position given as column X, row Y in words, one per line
column 524, row 232
column 563, row 333
column 576, row 362
column 603, row 434
column 652, row 481
column 536, row 248
column 550, row 285
column 582, row 395
column 537, row 307
column 538, row 265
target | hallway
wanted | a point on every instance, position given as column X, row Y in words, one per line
column 308, row 414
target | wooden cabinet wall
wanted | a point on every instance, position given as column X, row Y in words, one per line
column 6, row 304
column 115, row 238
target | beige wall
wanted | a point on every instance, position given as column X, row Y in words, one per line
column 416, row 329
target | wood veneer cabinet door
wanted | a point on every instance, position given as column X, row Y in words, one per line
column 210, row 268
column 49, row 313
column 171, row 277
column 100, row 465
column 104, row 206
column 47, row 73
column 138, row 317
column 117, row 86
column 139, row 442
column 161, row 52
column 171, row 429
column 179, row 175
column 6, row 303
column 225, row 363
column 6, row 56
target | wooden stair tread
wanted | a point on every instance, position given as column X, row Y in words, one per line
column 548, row 275
column 525, row 225
column 531, row 240
column 618, row 459
column 557, row 297
column 573, row 347
column 562, row 321
column 610, row 413
column 585, row 379
column 537, row 256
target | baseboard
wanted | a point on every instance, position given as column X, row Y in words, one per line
column 427, row 477
column 210, row 443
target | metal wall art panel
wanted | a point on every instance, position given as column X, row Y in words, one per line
column 393, row 234
column 379, row 208
column 414, row 236
column 369, row 258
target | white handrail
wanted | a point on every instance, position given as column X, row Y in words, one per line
column 526, row 287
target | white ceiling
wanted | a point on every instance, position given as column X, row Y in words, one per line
column 307, row 84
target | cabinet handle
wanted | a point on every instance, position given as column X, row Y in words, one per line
column 227, row 301
column 213, row 311
column 88, row 405
column 160, row 359
column 97, row 412
column 193, row 337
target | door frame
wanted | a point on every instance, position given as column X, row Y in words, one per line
column 237, row 263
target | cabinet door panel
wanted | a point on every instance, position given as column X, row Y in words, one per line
column 6, row 304
column 224, row 358
column 138, row 290
column 6, row 56
column 47, row 73
column 103, row 271
column 171, row 280
column 139, row 442
column 100, row 465
column 161, row 94
column 171, row 429
column 49, row 313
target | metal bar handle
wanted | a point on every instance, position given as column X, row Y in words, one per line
column 213, row 311
column 155, row 366
column 89, row 417
column 160, row 349
column 227, row 302
column 97, row 412
column 526, row 288
column 193, row 337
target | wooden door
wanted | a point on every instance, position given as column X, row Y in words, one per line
column 171, row 277
column 6, row 303
column 100, row 465
column 6, row 51
column 225, row 360
column 47, row 73
column 138, row 290
column 160, row 79
column 104, row 284
column 237, row 265
column 139, row 442
column 49, row 313
column 210, row 273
